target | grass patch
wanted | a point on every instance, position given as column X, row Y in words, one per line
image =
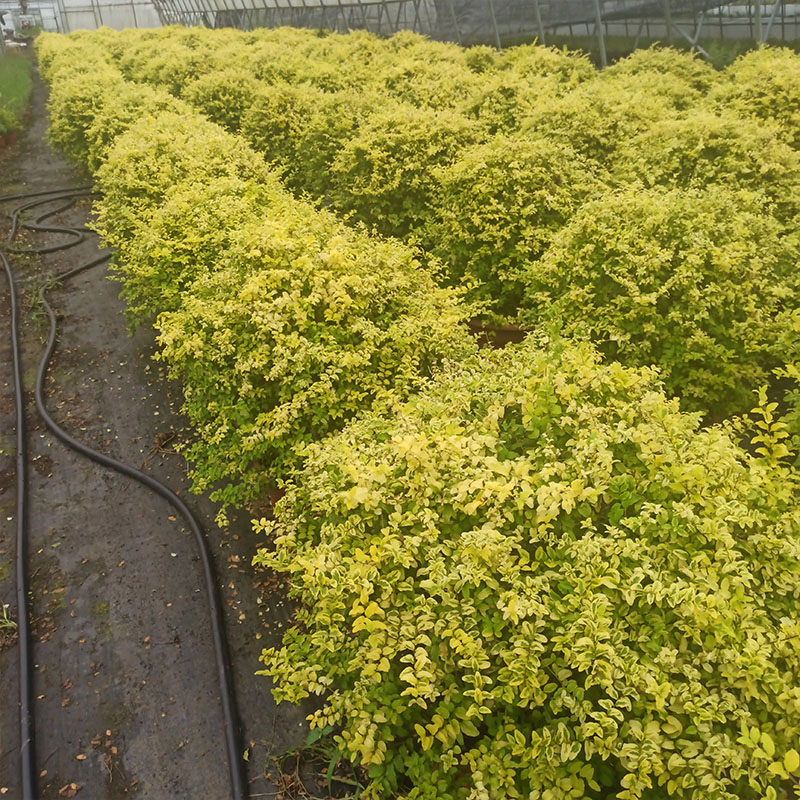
column 15, row 89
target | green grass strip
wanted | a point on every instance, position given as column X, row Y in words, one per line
column 15, row 90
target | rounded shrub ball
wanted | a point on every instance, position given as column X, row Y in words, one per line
column 497, row 208
column 694, row 282
column 764, row 84
column 704, row 148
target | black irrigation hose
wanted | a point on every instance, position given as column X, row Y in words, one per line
column 78, row 236
column 227, row 695
column 53, row 194
column 26, row 727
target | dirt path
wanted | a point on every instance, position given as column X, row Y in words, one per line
column 126, row 697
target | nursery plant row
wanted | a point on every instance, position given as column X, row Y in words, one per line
column 530, row 572
column 649, row 208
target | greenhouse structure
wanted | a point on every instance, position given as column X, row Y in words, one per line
column 497, row 22
column 500, row 21
column 64, row 16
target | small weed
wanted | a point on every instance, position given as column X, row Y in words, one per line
column 8, row 627
column 102, row 610
column 316, row 771
column 36, row 312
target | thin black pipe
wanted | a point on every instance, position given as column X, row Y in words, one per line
column 77, row 235
column 6, row 198
column 26, row 726
column 217, row 622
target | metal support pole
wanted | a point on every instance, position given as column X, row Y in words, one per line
column 638, row 34
column 396, row 18
column 456, row 29
column 340, row 15
column 494, row 25
column 775, row 7
column 539, row 22
column 694, row 39
column 431, row 24
column 98, row 14
column 697, row 34
column 417, row 18
column 601, row 40
column 62, row 13
column 759, row 39
column 379, row 21
column 668, row 22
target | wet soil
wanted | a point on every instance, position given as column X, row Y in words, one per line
column 126, row 699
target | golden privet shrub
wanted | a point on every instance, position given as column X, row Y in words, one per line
column 334, row 120
column 276, row 119
column 124, row 106
column 501, row 101
column 384, row 174
column 147, row 162
column 705, row 148
column 764, row 84
column 694, row 75
column 299, row 326
column 601, row 114
column 498, row 206
column 692, row 281
column 569, row 68
column 540, row 579
column 224, row 96
column 280, row 322
column 436, row 85
column 73, row 106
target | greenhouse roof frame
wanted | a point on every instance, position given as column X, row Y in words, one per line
column 464, row 21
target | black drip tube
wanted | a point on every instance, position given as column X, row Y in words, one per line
column 227, row 694
column 26, row 726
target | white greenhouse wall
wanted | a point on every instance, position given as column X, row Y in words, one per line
column 64, row 16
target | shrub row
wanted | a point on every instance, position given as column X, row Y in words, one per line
column 281, row 322
column 483, row 159
column 540, row 579
column 537, row 577
column 397, row 108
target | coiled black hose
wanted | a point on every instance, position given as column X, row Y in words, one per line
column 227, row 694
